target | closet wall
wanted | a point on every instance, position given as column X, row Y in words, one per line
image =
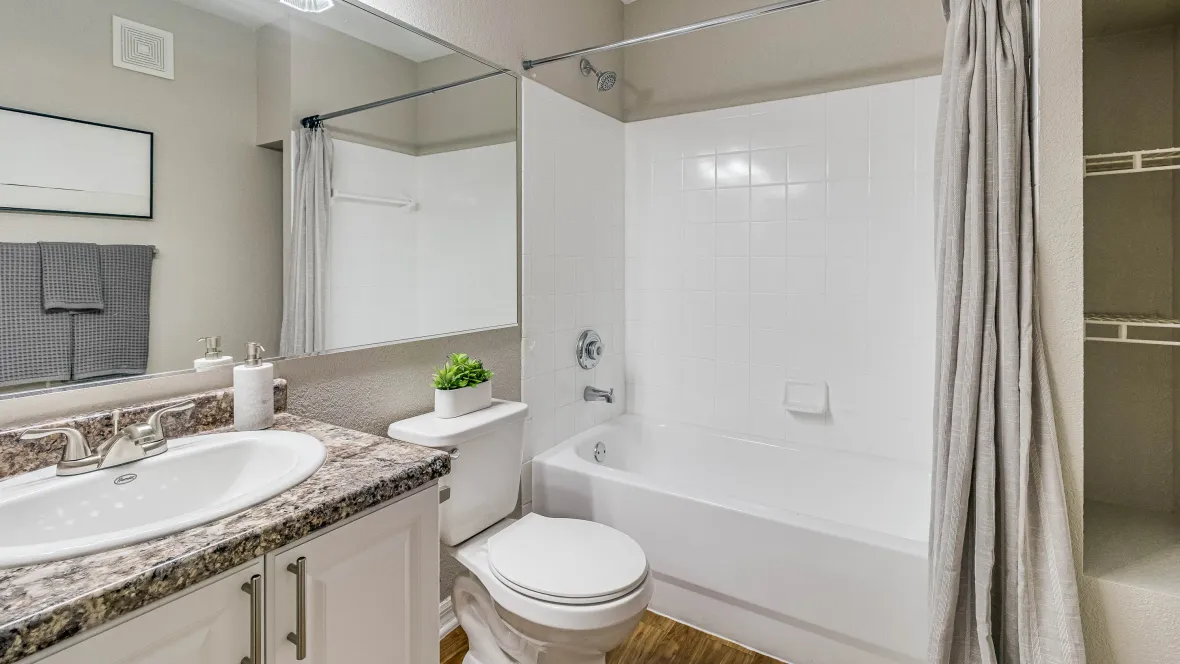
column 1130, row 592
column 1131, row 264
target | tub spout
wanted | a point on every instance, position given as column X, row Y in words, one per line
column 594, row 394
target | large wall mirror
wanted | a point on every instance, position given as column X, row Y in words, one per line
column 172, row 170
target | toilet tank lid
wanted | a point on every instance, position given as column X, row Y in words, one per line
column 432, row 431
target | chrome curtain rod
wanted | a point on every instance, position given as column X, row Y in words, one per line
column 674, row 32
column 316, row 120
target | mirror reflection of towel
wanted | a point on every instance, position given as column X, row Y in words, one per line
column 34, row 345
column 71, row 277
column 114, row 342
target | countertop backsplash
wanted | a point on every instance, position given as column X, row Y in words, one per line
column 214, row 409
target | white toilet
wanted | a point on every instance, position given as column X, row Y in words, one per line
column 535, row 590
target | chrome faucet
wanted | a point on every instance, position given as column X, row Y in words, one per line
column 594, row 394
column 134, row 442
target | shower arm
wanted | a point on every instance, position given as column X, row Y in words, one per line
column 674, row 32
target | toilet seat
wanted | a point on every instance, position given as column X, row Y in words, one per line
column 473, row 555
column 566, row 561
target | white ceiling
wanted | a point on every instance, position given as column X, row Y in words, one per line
column 343, row 18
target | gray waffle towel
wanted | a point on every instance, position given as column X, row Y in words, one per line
column 115, row 341
column 70, row 279
column 34, row 345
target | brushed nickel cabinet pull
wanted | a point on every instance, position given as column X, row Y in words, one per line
column 253, row 588
column 299, row 636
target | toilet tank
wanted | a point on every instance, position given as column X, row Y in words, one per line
column 486, row 451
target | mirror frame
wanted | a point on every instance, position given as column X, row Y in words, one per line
column 505, row 71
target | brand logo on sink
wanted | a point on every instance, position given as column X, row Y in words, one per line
column 125, row 479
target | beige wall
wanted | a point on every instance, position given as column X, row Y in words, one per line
column 309, row 69
column 300, row 65
column 473, row 115
column 832, row 45
column 331, row 71
column 508, row 31
column 217, row 195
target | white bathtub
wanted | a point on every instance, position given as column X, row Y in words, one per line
column 809, row 555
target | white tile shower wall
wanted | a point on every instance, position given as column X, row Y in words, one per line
column 792, row 239
column 573, row 264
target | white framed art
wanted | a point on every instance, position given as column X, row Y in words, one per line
column 61, row 165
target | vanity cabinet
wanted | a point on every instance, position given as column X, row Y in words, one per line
column 369, row 596
column 369, row 591
column 212, row 624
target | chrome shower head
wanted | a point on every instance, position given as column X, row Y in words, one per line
column 606, row 79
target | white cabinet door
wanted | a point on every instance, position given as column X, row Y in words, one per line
column 370, row 590
column 207, row 626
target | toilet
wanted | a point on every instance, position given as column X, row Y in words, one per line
column 534, row 590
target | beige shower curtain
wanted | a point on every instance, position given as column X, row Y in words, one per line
column 1002, row 580
column 305, row 263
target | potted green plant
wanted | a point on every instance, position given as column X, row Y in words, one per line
column 461, row 386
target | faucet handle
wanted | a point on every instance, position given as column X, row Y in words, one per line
column 77, row 449
column 154, row 420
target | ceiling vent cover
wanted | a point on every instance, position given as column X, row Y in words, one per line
column 143, row 48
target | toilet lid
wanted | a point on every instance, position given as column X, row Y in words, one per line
column 566, row 561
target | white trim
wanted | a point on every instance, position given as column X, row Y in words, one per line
column 447, row 622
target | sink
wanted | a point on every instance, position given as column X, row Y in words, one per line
column 198, row 480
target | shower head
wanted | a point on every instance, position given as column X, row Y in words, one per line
column 606, row 79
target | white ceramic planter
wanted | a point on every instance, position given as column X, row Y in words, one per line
column 453, row 403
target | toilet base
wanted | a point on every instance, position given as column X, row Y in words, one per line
column 494, row 638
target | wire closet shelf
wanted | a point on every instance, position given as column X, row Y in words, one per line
column 1139, row 161
column 1125, row 324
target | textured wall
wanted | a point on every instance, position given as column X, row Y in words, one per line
column 1058, row 127
column 832, row 45
column 508, row 31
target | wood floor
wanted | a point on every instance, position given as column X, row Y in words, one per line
column 657, row 640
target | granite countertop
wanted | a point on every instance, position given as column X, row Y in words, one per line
column 41, row 605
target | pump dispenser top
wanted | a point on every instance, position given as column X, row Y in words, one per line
column 254, row 351
column 213, row 357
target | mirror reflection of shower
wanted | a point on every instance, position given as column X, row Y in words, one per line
column 606, row 79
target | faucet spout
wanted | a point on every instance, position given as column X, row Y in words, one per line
column 594, row 394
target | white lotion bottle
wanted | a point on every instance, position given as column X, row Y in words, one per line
column 254, row 395
column 213, row 358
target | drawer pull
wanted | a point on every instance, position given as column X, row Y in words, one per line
column 299, row 636
column 253, row 588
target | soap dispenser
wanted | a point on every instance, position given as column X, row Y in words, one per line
column 254, row 392
column 213, row 358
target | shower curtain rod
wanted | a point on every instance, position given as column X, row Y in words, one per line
column 316, row 120
column 674, row 32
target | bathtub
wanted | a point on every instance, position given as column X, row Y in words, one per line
column 809, row 555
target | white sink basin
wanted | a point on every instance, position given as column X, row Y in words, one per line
column 199, row 479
